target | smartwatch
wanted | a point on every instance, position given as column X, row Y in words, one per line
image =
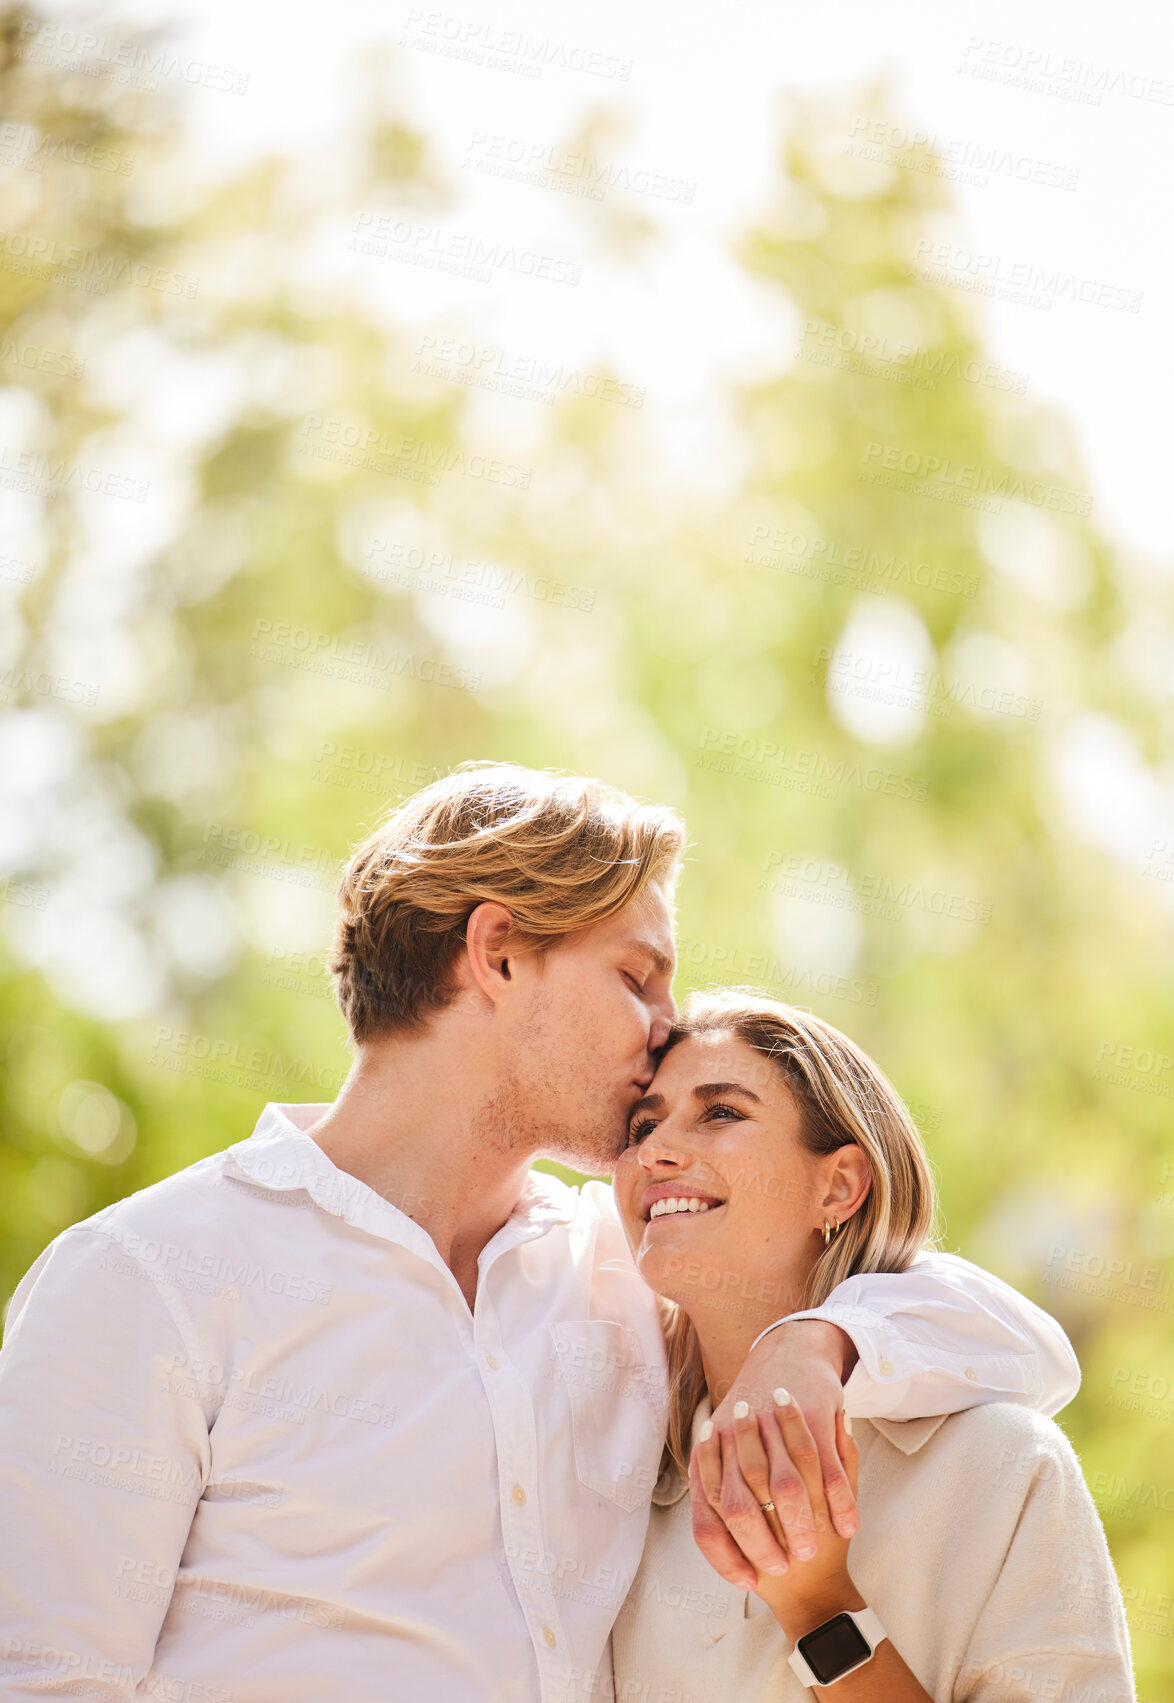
column 838, row 1647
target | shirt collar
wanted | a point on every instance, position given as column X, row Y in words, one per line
column 279, row 1155
column 545, row 1199
column 908, row 1435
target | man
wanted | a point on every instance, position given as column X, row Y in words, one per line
column 364, row 1408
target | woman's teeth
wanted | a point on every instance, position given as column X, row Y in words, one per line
column 678, row 1203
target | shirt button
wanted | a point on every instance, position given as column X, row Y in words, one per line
column 971, row 1373
column 549, row 1636
column 491, row 1362
column 518, row 1494
column 886, row 1366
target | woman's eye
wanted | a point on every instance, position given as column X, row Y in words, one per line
column 639, row 1130
column 637, row 986
column 728, row 1111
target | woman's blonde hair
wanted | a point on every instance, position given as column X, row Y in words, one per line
column 843, row 1098
column 560, row 852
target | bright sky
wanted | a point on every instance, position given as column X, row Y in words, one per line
column 1080, row 100
column 1074, row 106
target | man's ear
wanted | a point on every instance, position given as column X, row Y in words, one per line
column 486, row 958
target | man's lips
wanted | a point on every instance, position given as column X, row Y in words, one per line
column 677, row 1200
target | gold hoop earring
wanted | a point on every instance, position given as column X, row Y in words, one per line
column 828, row 1232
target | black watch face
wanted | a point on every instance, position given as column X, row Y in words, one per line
column 834, row 1648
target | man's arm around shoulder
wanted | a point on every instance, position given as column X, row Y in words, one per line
column 943, row 1336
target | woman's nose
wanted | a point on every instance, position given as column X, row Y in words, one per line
column 656, row 1150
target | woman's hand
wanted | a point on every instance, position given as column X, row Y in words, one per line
column 811, row 1358
column 808, row 1592
column 816, row 1582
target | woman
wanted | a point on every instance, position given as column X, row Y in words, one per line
column 980, row 1569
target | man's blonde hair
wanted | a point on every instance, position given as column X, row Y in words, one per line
column 559, row 851
column 843, row 1098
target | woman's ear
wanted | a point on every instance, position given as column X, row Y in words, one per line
column 487, row 962
column 848, row 1179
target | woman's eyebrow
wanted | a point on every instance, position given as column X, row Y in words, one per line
column 703, row 1091
column 649, row 1103
column 715, row 1090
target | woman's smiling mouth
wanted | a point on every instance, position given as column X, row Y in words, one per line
column 671, row 1208
column 666, row 1200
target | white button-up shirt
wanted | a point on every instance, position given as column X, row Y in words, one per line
column 257, row 1449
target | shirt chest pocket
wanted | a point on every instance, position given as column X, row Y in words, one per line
column 617, row 1408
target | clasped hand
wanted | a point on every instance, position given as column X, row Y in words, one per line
column 785, row 1443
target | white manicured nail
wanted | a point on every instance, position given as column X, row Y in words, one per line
column 847, row 1425
column 741, row 1410
column 782, row 1398
column 706, row 1432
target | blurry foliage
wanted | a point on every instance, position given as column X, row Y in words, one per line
column 171, row 849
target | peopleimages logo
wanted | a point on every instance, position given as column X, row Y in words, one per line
column 133, row 61
column 485, row 43
column 99, row 270
column 873, row 894
column 556, row 166
column 857, row 564
column 1042, row 71
column 968, row 476
column 1030, row 282
column 780, row 764
column 893, row 682
column 529, row 378
column 30, row 471
column 963, row 159
column 363, row 661
column 431, row 459
column 872, row 352
column 462, row 252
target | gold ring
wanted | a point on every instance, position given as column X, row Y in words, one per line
column 767, row 1507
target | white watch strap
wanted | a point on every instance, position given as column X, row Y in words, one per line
column 867, row 1623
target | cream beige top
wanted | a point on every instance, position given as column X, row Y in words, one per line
column 979, row 1548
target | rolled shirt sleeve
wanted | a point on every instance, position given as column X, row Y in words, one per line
column 105, row 1452
column 943, row 1336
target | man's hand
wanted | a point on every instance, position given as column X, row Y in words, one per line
column 810, row 1360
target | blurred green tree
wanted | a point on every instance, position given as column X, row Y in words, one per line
column 267, row 575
